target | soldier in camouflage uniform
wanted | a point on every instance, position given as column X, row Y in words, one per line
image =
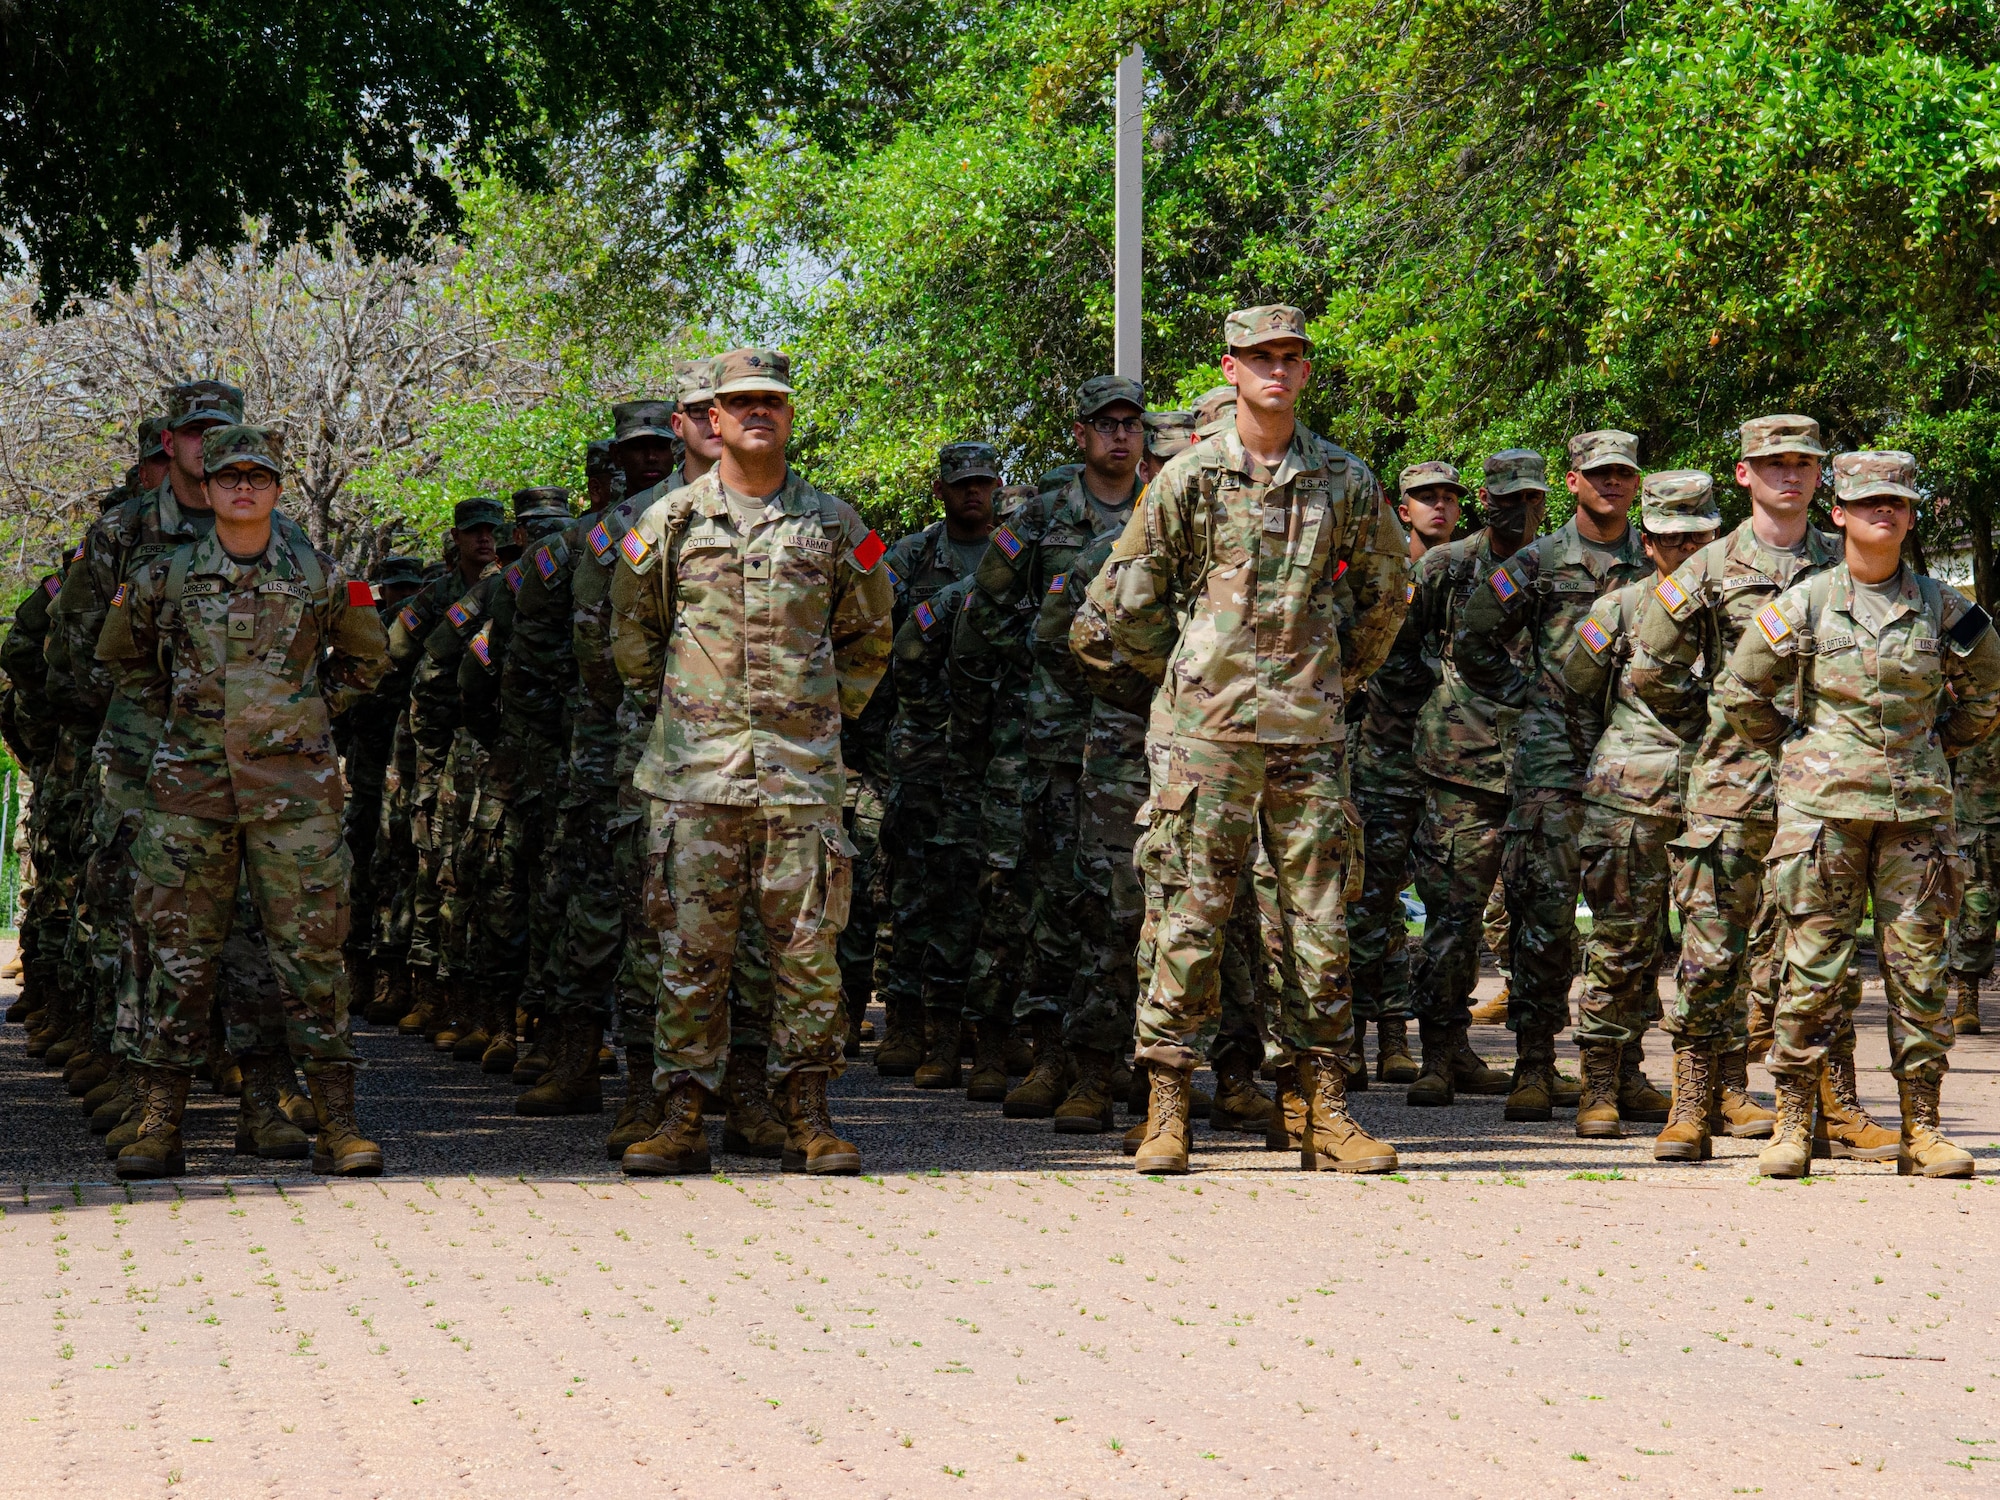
column 1463, row 745
column 1631, row 813
column 31, row 730
column 758, row 609
column 1686, row 631
column 1261, row 581
column 1975, row 778
column 245, row 645
column 1889, row 675
column 929, row 884
column 1541, row 595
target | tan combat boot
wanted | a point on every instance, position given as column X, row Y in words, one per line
column 1046, row 1086
column 1331, row 1139
column 1354, row 1061
column 1925, row 1152
column 1285, row 1129
column 501, row 1054
column 988, row 1081
column 156, row 1149
column 1433, row 1085
column 1638, row 1100
column 475, row 1038
column 1965, row 1004
column 426, row 997
column 902, row 1048
column 1239, row 1104
column 456, row 1017
column 86, row 1070
column 1134, row 1137
column 640, row 1115
column 1471, row 1074
column 1845, row 1130
column 1087, row 1108
column 1164, row 1150
column 751, row 1125
column 114, row 1084
column 812, row 1146
column 535, row 1055
column 391, row 1000
column 1736, row 1114
column 940, row 1067
column 340, row 1149
column 1597, row 1112
column 1393, row 1063
column 261, row 1127
column 1533, row 1095
column 678, row 1146
column 1491, row 1012
column 1020, row 1051
column 572, row 1085
column 1686, row 1137
column 1790, row 1151
column 294, row 1103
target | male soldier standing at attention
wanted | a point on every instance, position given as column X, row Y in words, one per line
column 1464, row 745
column 1389, row 793
column 758, row 608
column 1976, row 806
column 1541, row 594
column 1631, row 813
column 1686, row 633
column 1890, row 674
column 1261, row 581
column 245, row 644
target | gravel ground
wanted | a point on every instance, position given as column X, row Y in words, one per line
column 993, row 1310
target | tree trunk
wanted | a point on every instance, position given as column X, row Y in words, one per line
column 1979, row 527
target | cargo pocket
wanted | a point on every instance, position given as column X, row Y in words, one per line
column 838, row 877
column 659, row 898
column 1792, row 868
column 1694, row 868
column 154, row 860
column 1944, row 873
column 324, row 916
column 1157, row 855
column 1357, row 852
column 1607, row 885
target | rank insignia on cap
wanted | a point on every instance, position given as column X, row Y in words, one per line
column 600, row 540
column 481, row 645
column 926, row 617
column 1007, row 542
column 514, row 576
column 1593, row 635
column 1504, row 585
column 1670, row 594
column 1058, row 583
column 119, row 598
column 407, row 618
column 360, row 594
column 545, row 564
column 463, row 613
column 634, row 548
column 1775, row 626
column 868, row 552
column 52, row 585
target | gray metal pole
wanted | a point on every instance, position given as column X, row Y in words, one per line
column 1128, row 277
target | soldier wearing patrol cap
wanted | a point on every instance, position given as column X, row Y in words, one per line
column 1213, row 410
column 1976, row 808
column 152, row 453
column 694, row 409
column 1540, row 595
column 1690, row 624
column 1632, row 809
column 1167, row 433
column 1864, row 799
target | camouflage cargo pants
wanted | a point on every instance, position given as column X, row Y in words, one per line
column 1377, row 931
column 1049, row 826
column 393, row 864
column 1455, row 855
column 1627, row 878
column 916, row 870
column 992, row 836
column 1541, row 867
column 862, row 814
column 1729, row 929
column 1215, row 801
column 1824, row 874
column 184, row 902
column 1495, row 929
column 1110, row 913
column 708, row 867
column 1972, row 932
column 509, row 847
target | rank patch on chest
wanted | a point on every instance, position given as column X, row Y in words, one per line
column 600, row 541
column 545, row 564
column 124, row 592
column 1593, row 635
column 868, row 552
column 1007, row 542
column 463, row 613
column 407, row 618
column 1775, row 626
column 634, row 548
column 926, row 617
column 481, row 645
column 1670, row 594
column 1504, row 585
column 360, row 594
column 1058, row 583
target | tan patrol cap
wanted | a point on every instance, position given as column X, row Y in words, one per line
column 742, row 370
column 694, row 381
column 1602, row 450
column 1213, row 407
column 1867, row 474
column 1764, row 437
column 1168, row 433
column 1513, row 470
column 1248, row 327
column 1422, row 476
column 1677, row 501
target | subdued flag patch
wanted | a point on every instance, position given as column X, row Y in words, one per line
column 1593, row 635
column 1775, row 626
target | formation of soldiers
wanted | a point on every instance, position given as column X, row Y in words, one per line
column 1093, row 780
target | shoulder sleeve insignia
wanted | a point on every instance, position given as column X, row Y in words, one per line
column 868, row 552
column 1058, row 583
column 633, row 548
column 124, row 593
column 77, row 555
column 1008, row 543
column 52, row 585
column 407, row 618
column 966, row 608
column 360, row 594
column 1410, row 592
column 481, row 645
column 895, row 579
column 1777, row 629
column 464, row 612
column 1504, row 585
column 1594, row 635
column 926, row 617
column 515, row 577
column 600, row 541
column 1672, row 595
column 545, row 564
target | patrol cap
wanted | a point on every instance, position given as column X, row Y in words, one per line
column 397, row 568
column 152, row 443
column 1677, row 501
column 1602, row 450
column 1248, row 327
column 694, row 381
column 1168, row 433
column 1764, row 437
column 1513, row 470
column 1009, row 497
column 1422, row 476
column 1057, row 478
column 1101, row 391
column 1866, row 474
column 597, row 459
column 743, row 370
column 240, row 443
column 649, row 417
column 541, row 500
column 480, row 510
column 203, row 401
column 958, row 461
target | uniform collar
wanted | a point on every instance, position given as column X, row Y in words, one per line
column 173, row 520
column 790, row 500
column 1574, row 549
column 1745, row 546
column 1302, row 457
column 1908, row 601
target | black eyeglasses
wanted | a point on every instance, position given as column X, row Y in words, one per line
column 245, row 479
column 1112, row 426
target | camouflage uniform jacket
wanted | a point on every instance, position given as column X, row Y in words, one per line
column 1114, row 741
column 920, row 565
column 1258, row 602
column 1541, row 593
column 1975, row 781
column 1636, row 763
column 245, row 665
column 437, row 709
column 1461, row 736
column 1872, row 727
column 1384, row 763
column 1026, row 554
column 758, row 642
column 365, row 735
column 517, row 674
column 30, row 718
column 1689, row 627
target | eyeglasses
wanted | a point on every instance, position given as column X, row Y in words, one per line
column 245, row 479
column 1112, row 426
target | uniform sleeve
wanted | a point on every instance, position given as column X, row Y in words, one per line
column 640, row 611
column 1494, row 616
column 1137, row 590
column 479, row 671
column 1667, row 646
column 127, row 648
column 1007, row 574
column 1375, row 580
column 1764, row 661
column 357, row 655
column 79, row 687
column 1972, row 667
column 861, row 635
column 1052, row 626
column 1590, row 669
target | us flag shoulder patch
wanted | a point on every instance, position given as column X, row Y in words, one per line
column 1504, row 585
column 1670, row 594
column 926, row 617
column 1058, row 583
column 634, row 548
column 1410, row 593
column 600, row 541
column 360, row 594
column 868, row 552
column 895, row 580
column 407, row 618
column 481, row 645
column 1007, row 542
column 77, row 556
column 1775, row 626
column 1593, row 635
column 463, row 613
column 515, row 577
column 545, row 564
column 119, row 598
column 52, row 585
